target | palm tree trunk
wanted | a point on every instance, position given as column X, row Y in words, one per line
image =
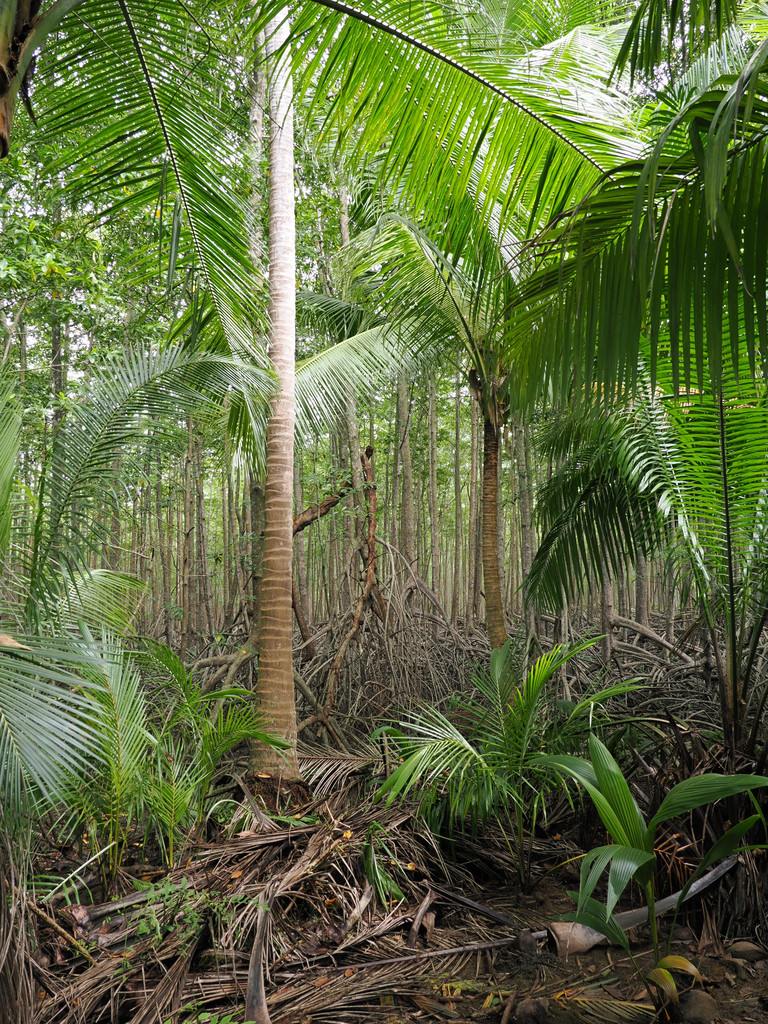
column 494, row 605
column 458, row 513
column 407, row 510
column 473, row 516
column 275, row 675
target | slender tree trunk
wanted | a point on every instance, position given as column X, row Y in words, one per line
column 526, row 516
column 607, row 611
column 642, row 610
column 203, row 561
column 473, row 516
column 457, row 502
column 58, row 370
column 58, row 357
column 275, row 675
column 186, row 566
column 299, row 553
column 407, row 510
column 494, row 605
column 164, row 554
column 434, row 532
column 239, row 544
column 513, row 596
column 478, row 604
column 353, row 430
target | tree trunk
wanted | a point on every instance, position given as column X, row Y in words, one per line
column 473, row 517
column 275, row 673
column 299, row 553
column 641, row 590
column 201, row 533
column 58, row 370
column 434, row 534
column 494, row 605
column 407, row 511
column 165, row 612
column 458, row 512
column 13, row 15
column 607, row 611
column 186, row 589
column 526, row 516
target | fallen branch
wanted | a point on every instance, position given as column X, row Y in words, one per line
column 480, row 908
column 470, row 947
column 426, row 903
column 569, row 936
column 62, row 932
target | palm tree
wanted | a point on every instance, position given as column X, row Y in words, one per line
column 275, row 676
column 698, row 461
column 451, row 303
column 50, row 724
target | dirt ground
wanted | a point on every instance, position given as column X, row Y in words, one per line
column 459, row 940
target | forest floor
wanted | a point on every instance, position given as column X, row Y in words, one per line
column 368, row 919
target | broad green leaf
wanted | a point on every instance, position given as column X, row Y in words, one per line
column 700, row 790
column 614, row 788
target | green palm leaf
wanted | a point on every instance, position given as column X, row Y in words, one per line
column 671, row 246
column 150, row 128
column 37, row 686
column 455, row 117
column 702, row 789
column 140, row 388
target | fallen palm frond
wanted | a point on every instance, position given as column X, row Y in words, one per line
column 606, row 1011
column 292, row 909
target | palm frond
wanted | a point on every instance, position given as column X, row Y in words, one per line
column 662, row 30
column 456, row 119
column 146, row 109
column 138, row 388
column 604, row 504
column 37, row 686
column 673, row 247
column 102, row 597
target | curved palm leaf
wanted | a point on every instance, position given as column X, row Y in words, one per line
column 137, row 389
column 605, row 503
column 36, row 685
column 674, row 246
column 148, row 124
column 455, row 118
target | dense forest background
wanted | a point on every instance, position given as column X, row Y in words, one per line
column 382, row 406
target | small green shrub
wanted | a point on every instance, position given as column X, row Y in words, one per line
column 488, row 770
column 631, row 854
